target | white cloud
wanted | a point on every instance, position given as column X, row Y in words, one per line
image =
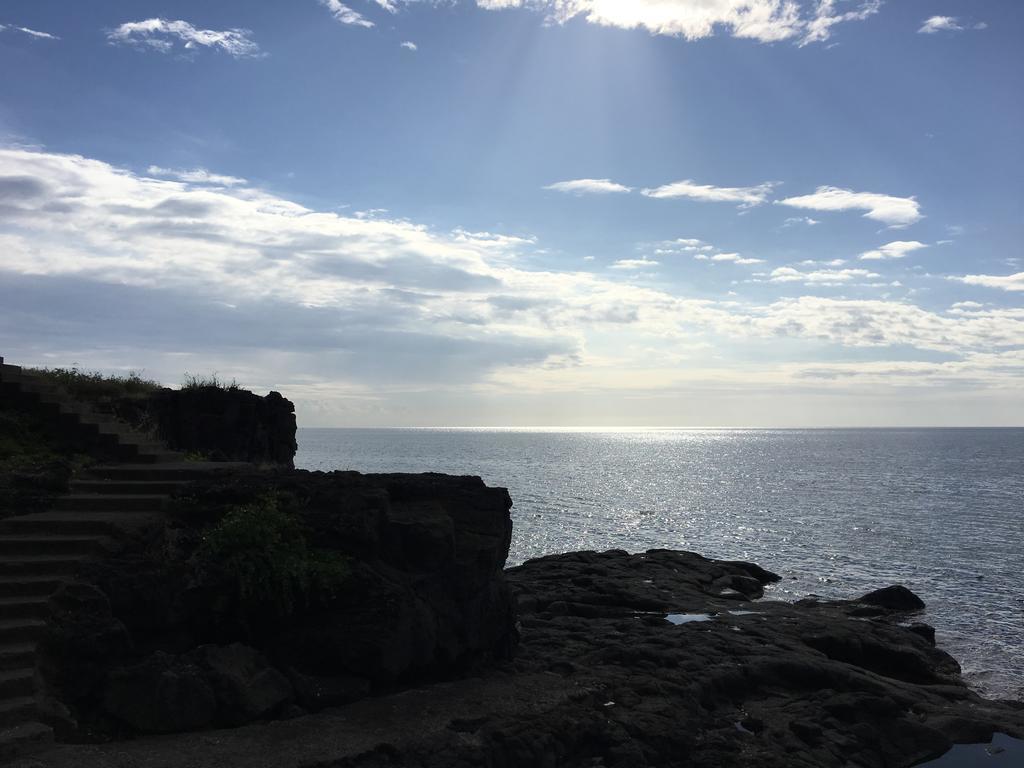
column 819, row 29
column 370, row 307
column 387, row 5
column 30, row 32
column 817, row 263
column 634, row 264
column 409, row 45
column 346, row 15
column 947, row 24
column 793, row 221
column 196, row 176
column 746, row 197
column 894, row 250
column 588, row 187
column 894, row 211
column 821, row 276
column 1005, row 282
column 735, row 258
column 161, row 35
column 766, row 21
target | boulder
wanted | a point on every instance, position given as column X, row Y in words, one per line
column 83, row 640
column 246, row 686
column 894, row 598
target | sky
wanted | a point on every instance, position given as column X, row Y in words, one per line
column 732, row 213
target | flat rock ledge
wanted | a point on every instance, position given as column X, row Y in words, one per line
column 657, row 659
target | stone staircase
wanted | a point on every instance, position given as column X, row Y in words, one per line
column 39, row 552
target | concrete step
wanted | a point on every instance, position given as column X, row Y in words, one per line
column 128, row 487
column 32, row 607
column 21, row 630
column 78, row 523
column 17, row 655
column 25, row 586
column 44, row 566
column 24, row 736
column 37, row 544
column 178, row 471
column 109, row 502
column 17, row 711
column 17, row 682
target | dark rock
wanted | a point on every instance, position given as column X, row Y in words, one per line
column 605, row 680
column 163, row 694
column 83, row 641
column 425, row 595
column 923, row 630
column 246, row 686
column 895, row 598
column 421, row 596
column 226, row 424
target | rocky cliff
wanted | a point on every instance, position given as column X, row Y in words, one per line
column 222, row 423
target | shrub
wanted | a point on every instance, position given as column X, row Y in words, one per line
column 260, row 552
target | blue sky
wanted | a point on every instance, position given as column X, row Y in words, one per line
column 525, row 212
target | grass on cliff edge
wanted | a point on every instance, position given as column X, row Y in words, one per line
column 196, row 381
column 93, row 385
column 82, row 384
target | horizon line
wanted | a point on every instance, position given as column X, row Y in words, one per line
column 637, row 428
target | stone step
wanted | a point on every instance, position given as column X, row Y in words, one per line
column 179, row 471
column 17, row 711
column 82, row 523
column 17, row 655
column 109, row 502
column 21, row 630
column 24, row 586
column 36, row 544
column 128, row 487
column 43, row 566
column 32, row 607
column 17, row 682
column 23, row 736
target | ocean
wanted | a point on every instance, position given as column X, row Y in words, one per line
column 835, row 512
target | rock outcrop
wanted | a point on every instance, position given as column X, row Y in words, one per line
column 416, row 592
column 221, row 423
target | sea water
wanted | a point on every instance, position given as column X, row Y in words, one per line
column 834, row 512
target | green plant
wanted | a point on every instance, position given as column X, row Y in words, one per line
column 261, row 550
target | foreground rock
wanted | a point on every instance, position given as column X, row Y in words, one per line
column 602, row 677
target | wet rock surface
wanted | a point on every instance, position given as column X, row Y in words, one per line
column 602, row 678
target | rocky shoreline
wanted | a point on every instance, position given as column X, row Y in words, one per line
column 256, row 615
column 657, row 659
